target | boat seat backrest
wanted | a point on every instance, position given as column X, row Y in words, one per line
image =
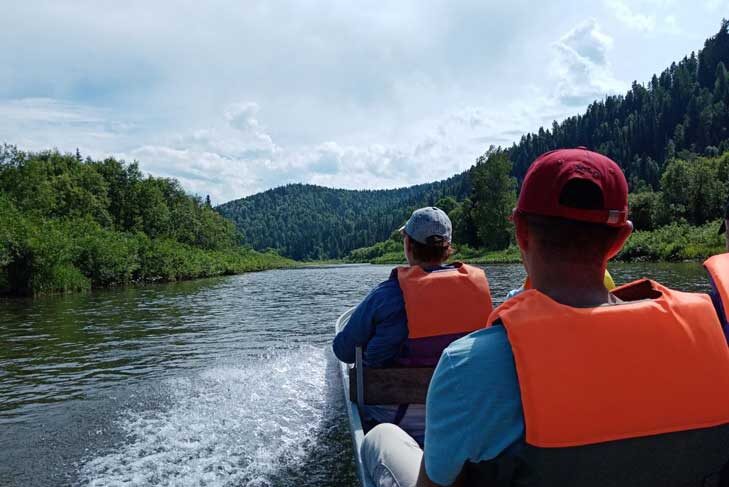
column 396, row 385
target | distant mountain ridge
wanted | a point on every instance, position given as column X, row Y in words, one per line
column 684, row 109
column 305, row 221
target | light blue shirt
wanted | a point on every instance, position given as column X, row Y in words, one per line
column 474, row 389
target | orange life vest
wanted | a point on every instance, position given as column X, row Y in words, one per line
column 592, row 375
column 445, row 302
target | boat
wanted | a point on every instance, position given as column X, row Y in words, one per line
column 355, row 420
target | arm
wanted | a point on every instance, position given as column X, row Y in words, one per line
column 356, row 332
column 447, row 427
column 383, row 312
column 473, row 406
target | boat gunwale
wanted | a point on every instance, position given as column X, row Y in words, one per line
column 355, row 420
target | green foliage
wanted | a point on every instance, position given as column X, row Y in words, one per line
column 69, row 225
column 391, row 252
column 108, row 258
column 392, row 248
column 509, row 255
column 41, row 259
column 447, row 204
column 674, row 242
column 644, row 207
column 11, row 230
column 494, row 193
column 464, row 227
column 693, row 190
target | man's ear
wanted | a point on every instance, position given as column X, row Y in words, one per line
column 620, row 239
column 407, row 244
column 522, row 231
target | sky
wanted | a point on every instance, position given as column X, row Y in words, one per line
column 236, row 97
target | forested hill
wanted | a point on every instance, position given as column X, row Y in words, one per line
column 682, row 111
column 313, row 222
column 685, row 108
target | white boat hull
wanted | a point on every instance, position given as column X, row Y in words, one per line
column 355, row 420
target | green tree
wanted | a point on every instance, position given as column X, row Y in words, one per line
column 67, row 224
column 464, row 228
column 643, row 207
column 447, row 204
column 692, row 190
column 494, row 195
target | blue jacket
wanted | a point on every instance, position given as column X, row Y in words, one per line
column 379, row 324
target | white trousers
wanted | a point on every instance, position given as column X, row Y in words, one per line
column 391, row 456
column 413, row 422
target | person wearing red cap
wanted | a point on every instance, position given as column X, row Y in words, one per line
column 570, row 384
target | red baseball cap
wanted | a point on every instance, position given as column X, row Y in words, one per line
column 550, row 173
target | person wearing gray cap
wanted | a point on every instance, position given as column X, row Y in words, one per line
column 410, row 318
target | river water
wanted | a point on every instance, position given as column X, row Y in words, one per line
column 217, row 382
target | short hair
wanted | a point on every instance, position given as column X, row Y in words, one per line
column 434, row 250
column 572, row 239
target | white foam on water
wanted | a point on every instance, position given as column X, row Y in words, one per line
column 228, row 425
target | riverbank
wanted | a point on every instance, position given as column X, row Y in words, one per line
column 61, row 260
column 70, row 224
column 677, row 242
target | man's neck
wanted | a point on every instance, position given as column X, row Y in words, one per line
column 578, row 287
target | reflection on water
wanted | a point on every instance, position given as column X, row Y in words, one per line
column 226, row 381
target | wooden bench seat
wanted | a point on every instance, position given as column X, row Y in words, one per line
column 395, row 385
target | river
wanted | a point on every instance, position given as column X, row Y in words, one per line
column 226, row 381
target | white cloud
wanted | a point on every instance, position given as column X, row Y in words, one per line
column 239, row 157
column 236, row 97
column 671, row 24
column 581, row 67
column 714, row 5
column 48, row 110
column 44, row 123
column 631, row 18
column 243, row 116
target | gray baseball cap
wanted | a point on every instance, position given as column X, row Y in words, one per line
column 429, row 222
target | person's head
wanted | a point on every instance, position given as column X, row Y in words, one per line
column 723, row 228
column 427, row 237
column 571, row 213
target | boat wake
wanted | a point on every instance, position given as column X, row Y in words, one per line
column 256, row 424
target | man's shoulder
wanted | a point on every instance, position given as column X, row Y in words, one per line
column 480, row 348
column 384, row 294
column 388, row 285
